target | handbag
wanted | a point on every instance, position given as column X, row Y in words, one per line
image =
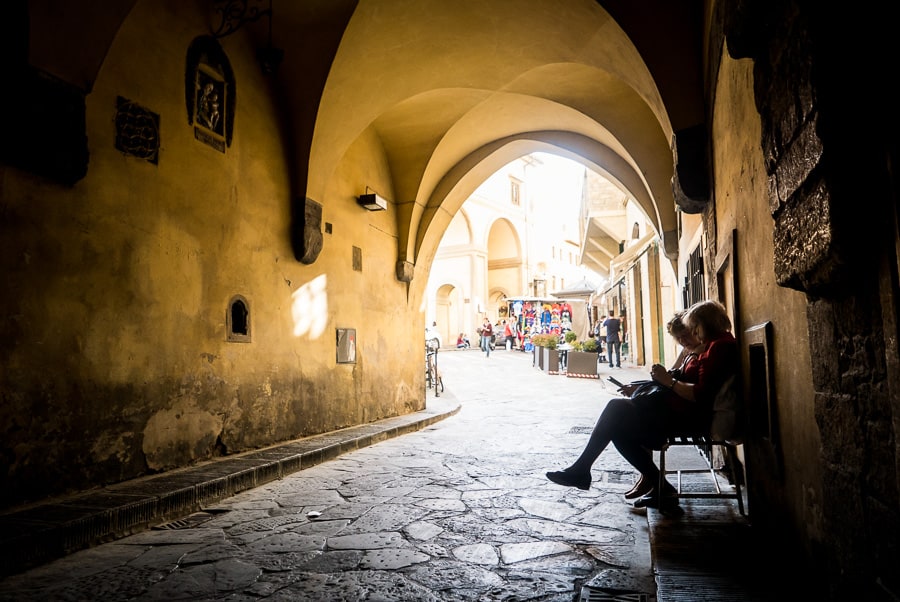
column 649, row 394
column 646, row 387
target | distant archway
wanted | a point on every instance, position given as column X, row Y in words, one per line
column 504, row 265
column 446, row 312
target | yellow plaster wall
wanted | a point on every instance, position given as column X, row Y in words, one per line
column 117, row 356
column 742, row 203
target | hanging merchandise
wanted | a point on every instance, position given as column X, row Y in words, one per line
column 543, row 315
column 546, row 316
column 555, row 324
column 565, row 311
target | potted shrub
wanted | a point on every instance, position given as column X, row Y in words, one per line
column 550, row 362
column 590, row 345
column 583, row 360
column 537, row 345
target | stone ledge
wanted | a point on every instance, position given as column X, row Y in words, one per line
column 43, row 532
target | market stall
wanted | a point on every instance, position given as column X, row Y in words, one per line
column 543, row 315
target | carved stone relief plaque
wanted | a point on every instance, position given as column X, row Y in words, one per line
column 210, row 93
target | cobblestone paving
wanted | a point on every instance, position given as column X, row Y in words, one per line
column 460, row 511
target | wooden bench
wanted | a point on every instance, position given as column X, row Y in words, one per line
column 723, row 434
column 707, row 443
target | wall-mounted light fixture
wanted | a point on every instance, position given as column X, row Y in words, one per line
column 371, row 201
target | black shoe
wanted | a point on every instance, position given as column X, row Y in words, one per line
column 653, row 500
column 571, row 479
column 640, row 489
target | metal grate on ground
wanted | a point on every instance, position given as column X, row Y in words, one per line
column 595, row 594
column 188, row 522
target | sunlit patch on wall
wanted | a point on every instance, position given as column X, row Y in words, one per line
column 309, row 308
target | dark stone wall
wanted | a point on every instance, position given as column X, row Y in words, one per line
column 42, row 118
column 828, row 139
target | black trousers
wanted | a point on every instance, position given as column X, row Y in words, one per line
column 634, row 430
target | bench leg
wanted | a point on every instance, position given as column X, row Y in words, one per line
column 662, row 469
column 732, row 452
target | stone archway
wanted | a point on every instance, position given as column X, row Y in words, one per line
column 446, row 313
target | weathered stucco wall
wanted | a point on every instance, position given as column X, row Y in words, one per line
column 118, row 287
column 829, row 158
column 780, row 493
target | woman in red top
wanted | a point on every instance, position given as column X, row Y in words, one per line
column 508, row 339
column 635, row 428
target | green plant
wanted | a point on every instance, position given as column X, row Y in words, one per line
column 578, row 346
column 571, row 336
column 589, row 345
column 550, row 340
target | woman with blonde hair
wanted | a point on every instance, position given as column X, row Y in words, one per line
column 636, row 428
column 691, row 348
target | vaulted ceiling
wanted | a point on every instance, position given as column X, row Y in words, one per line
column 455, row 90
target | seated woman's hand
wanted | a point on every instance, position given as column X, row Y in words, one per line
column 628, row 389
column 660, row 374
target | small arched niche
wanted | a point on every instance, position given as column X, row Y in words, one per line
column 237, row 320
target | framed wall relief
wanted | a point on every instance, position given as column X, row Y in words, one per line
column 210, row 93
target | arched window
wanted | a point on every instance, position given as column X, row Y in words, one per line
column 237, row 320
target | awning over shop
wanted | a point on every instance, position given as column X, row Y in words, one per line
column 623, row 263
column 581, row 289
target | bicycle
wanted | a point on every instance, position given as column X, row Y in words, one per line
column 433, row 377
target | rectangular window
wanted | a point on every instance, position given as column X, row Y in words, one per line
column 694, row 282
column 346, row 345
column 515, row 193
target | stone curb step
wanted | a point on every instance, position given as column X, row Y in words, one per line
column 42, row 532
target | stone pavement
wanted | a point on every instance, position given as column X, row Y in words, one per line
column 458, row 510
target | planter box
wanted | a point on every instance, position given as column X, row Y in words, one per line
column 537, row 357
column 582, row 364
column 550, row 363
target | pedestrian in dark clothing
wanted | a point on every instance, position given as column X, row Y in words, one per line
column 613, row 342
